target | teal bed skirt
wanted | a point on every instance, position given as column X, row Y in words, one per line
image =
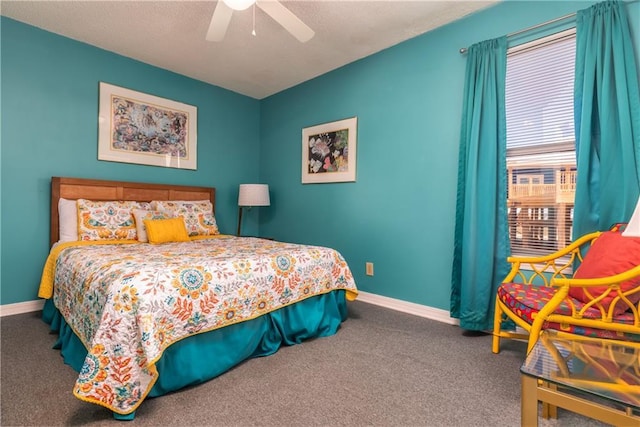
column 204, row 356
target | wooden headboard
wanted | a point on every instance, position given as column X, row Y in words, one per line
column 94, row 189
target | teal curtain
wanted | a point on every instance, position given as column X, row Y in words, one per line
column 481, row 242
column 607, row 119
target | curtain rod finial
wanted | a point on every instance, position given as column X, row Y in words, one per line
column 463, row 50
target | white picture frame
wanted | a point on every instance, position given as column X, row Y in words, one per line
column 329, row 152
column 135, row 127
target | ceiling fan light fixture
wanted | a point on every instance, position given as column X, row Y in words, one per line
column 239, row 4
column 274, row 8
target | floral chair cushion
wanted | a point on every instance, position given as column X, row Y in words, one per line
column 527, row 300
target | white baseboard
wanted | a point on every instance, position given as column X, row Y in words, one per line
column 390, row 303
column 408, row 307
column 21, row 307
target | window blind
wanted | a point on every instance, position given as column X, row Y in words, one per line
column 541, row 165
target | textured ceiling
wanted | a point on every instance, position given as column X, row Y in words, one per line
column 171, row 35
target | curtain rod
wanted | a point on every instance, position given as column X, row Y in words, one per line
column 463, row 50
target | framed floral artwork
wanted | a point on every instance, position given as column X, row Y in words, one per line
column 135, row 127
column 329, row 152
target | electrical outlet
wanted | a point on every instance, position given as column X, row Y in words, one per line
column 369, row 268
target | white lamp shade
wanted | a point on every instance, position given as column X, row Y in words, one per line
column 254, row 195
column 633, row 227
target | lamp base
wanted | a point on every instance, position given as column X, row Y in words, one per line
column 239, row 220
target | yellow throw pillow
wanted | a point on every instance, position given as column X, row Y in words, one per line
column 141, row 214
column 166, row 230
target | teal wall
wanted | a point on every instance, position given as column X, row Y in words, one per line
column 399, row 214
column 50, row 88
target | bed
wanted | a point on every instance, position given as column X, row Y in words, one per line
column 142, row 319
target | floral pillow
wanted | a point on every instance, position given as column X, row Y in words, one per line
column 107, row 220
column 198, row 215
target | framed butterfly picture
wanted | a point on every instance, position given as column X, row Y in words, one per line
column 329, row 152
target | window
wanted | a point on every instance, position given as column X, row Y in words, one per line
column 541, row 161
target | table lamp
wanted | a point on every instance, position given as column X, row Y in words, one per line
column 251, row 195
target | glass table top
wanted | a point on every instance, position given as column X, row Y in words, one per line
column 605, row 368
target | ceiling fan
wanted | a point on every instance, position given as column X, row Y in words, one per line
column 273, row 8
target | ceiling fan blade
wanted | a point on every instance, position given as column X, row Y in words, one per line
column 219, row 22
column 287, row 19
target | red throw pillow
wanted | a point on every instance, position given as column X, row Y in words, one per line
column 611, row 254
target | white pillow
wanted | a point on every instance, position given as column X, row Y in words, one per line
column 67, row 220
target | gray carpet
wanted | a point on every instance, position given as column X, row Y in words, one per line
column 382, row 368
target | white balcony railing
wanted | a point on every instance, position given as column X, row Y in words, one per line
column 562, row 191
column 540, row 215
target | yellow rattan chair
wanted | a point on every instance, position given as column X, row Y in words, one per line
column 536, row 295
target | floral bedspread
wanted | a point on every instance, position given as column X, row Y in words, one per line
column 129, row 302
